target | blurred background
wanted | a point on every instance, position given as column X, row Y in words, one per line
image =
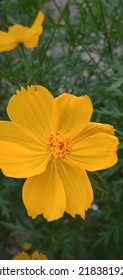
column 80, row 52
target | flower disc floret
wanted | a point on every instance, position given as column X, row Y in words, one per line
column 59, row 145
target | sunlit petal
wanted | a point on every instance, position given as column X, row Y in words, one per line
column 74, row 112
column 92, row 128
column 7, row 42
column 32, row 37
column 15, row 133
column 79, row 194
column 20, row 162
column 33, row 108
column 44, row 194
column 95, row 152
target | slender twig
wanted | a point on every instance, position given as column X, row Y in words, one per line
column 10, row 79
column 83, row 45
column 28, row 63
column 25, row 56
column 105, row 28
column 116, row 11
column 54, row 31
column 113, row 21
column 92, row 59
column 91, row 13
column 96, row 24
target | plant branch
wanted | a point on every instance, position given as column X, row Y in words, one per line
column 105, row 28
column 83, row 45
column 54, row 31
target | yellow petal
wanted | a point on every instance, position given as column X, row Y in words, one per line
column 78, row 189
column 21, row 256
column 38, row 256
column 19, row 32
column 74, row 112
column 7, row 42
column 33, row 108
column 35, row 31
column 15, row 133
column 19, row 162
column 95, row 152
column 38, row 21
column 44, row 194
column 93, row 128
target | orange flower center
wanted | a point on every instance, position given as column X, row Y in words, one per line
column 59, row 145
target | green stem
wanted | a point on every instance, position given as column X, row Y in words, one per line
column 82, row 44
column 10, row 79
column 25, row 56
column 116, row 11
column 113, row 21
column 92, row 15
column 29, row 66
column 105, row 28
column 53, row 33
column 92, row 59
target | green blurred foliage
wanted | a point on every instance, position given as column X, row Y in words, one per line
column 81, row 52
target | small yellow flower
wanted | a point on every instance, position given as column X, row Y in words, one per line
column 35, row 256
column 19, row 34
column 51, row 142
column 26, row 246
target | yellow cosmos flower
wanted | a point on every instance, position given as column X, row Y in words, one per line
column 19, row 34
column 51, row 142
column 35, row 256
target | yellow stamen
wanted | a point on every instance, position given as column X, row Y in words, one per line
column 59, row 145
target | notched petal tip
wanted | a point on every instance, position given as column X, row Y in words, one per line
column 54, row 218
column 74, row 113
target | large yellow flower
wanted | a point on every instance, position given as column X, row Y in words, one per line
column 35, row 256
column 51, row 142
column 28, row 36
